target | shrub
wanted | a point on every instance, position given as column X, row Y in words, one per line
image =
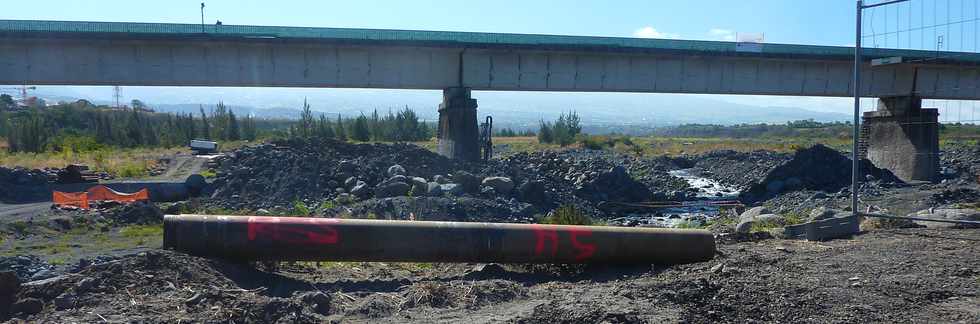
column 594, row 142
column 300, row 209
column 567, row 215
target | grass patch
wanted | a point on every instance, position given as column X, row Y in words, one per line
column 129, row 162
column 689, row 224
column 18, row 227
column 764, row 226
column 138, row 231
column 209, row 173
column 567, row 215
column 794, row 218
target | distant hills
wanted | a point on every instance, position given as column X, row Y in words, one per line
column 514, row 109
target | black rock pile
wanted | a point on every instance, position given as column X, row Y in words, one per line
column 313, row 170
column 815, row 168
column 20, row 185
column 402, row 181
column 740, row 170
column 961, row 160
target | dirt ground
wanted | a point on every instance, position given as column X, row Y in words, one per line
column 903, row 275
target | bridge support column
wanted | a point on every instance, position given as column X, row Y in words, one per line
column 458, row 131
column 903, row 138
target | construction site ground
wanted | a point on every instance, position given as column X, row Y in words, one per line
column 904, row 275
column 107, row 265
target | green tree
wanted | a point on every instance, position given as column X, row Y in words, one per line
column 339, row 129
column 7, row 102
column 359, row 130
column 205, row 125
column 306, row 121
column 234, row 132
column 544, row 133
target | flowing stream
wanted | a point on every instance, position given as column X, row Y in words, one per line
column 694, row 212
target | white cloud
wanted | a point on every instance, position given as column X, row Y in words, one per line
column 650, row 32
column 722, row 34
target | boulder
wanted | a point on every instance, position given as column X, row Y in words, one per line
column 9, row 286
column 820, row 213
column 532, row 191
column 416, row 181
column 433, row 189
column 470, row 182
column 27, row 306
column 440, row 179
column 397, row 178
column 419, row 187
column 350, row 182
column 614, row 185
column 502, row 185
column 753, row 212
column 948, row 214
column 392, row 189
column 64, row 301
column 454, row 189
column 361, row 190
column 744, row 227
column 396, row 170
column 771, row 219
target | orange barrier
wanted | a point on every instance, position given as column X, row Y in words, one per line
column 101, row 192
column 77, row 199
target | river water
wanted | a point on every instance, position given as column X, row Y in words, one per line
column 696, row 211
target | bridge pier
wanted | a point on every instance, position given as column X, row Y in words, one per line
column 902, row 137
column 458, row 132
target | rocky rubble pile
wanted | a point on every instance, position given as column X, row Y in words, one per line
column 19, row 185
column 815, row 168
column 737, row 169
column 595, row 176
column 279, row 173
column 962, row 161
column 402, row 181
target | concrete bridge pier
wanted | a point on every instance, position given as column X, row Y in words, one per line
column 902, row 137
column 458, row 131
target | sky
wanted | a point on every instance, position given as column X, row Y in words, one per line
column 815, row 22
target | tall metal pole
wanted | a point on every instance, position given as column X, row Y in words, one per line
column 202, row 17
column 857, row 109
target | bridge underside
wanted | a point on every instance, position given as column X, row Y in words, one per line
column 457, row 70
column 293, row 64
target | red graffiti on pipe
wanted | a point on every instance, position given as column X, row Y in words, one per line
column 584, row 250
column 294, row 230
column 547, row 239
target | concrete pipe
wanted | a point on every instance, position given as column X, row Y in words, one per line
column 329, row 239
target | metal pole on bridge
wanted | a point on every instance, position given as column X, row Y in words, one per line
column 857, row 99
column 857, row 110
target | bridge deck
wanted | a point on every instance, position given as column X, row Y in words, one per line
column 130, row 30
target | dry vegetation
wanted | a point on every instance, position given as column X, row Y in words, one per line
column 120, row 162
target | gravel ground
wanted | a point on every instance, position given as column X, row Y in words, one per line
column 908, row 275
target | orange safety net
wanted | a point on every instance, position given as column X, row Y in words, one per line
column 77, row 199
column 101, row 192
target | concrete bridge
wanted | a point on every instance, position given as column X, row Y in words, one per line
column 155, row 54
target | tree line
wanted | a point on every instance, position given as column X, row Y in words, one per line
column 400, row 126
column 82, row 126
